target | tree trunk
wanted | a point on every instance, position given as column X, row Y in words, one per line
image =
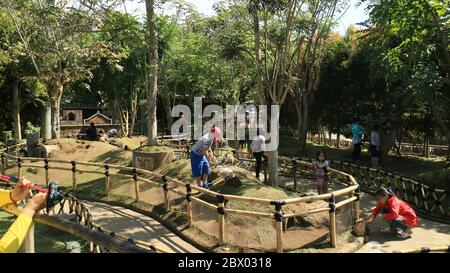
column 259, row 76
column 122, row 113
column 448, row 151
column 55, row 90
column 338, row 143
column 16, row 110
column 153, row 85
column 134, row 107
column 400, row 138
column 440, row 121
column 301, row 107
column 168, row 111
column 46, row 127
column 387, row 141
column 273, row 167
column 55, row 121
column 426, row 144
column 329, row 139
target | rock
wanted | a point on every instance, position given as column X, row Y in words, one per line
column 32, row 144
column 233, row 181
column 45, row 150
column 360, row 228
column 32, row 170
column 319, row 219
column 151, row 160
column 73, row 247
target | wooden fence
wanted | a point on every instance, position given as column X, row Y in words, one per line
column 404, row 148
column 349, row 194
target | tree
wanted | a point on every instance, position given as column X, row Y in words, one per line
column 152, row 94
column 294, row 33
column 61, row 43
column 120, row 85
column 414, row 38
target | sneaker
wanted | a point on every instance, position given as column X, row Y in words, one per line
column 404, row 235
column 409, row 231
column 389, row 230
column 205, row 185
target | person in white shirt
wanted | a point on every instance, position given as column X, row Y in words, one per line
column 258, row 147
column 375, row 145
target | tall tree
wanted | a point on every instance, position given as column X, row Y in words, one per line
column 61, row 43
column 152, row 94
column 294, row 33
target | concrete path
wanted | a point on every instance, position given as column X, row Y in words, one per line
column 137, row 226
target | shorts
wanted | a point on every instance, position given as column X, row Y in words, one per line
column 199, row 165
column 374, row 152
column 320, row 180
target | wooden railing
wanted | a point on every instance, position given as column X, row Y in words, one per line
column 404, row 148
column 100, row 239
column 349, row 194
column 432, row 202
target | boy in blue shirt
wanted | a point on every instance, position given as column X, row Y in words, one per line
column 357, row 131
column 201, row 156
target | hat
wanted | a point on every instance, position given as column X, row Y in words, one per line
column 217, row 134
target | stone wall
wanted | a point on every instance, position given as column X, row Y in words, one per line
column 77, row 116
column 71, row 131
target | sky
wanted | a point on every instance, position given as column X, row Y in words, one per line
column 353, row 15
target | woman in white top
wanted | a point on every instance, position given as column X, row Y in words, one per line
column 257, row 148
column 375, row 145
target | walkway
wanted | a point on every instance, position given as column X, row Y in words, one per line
column 137, row 226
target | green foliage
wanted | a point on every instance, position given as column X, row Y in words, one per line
column 31, row 129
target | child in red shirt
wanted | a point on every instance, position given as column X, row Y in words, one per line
column 399, row 214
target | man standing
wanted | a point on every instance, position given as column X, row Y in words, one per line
column 257, row 148
column 357, row 131
column 201, row 156
column 91, row 132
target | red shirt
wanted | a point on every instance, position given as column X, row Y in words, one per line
column 397, row 209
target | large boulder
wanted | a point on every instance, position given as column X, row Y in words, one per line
column 152, row 157
column 45, row 150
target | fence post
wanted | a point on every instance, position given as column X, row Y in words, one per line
column 294, row 168
column 221, row 217
column 74, row 175
column 166, row 193
column 332, row 205
column 28, row 243
column 46, row 172
column 265, row 170
column 19, row 165
column 107, row 180
column 356, row 203
column 3, row 164
column 136, row 185
column 189, row 204
column 279, row 223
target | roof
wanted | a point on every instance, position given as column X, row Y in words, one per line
column 97, row 114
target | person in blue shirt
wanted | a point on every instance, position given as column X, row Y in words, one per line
column 357, row 131
column 201, row 156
